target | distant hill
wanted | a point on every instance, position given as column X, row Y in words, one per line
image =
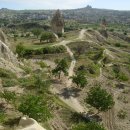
column 87, row 14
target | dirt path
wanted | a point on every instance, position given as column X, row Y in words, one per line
column 109, row 117
column 82, row 34
column 71, row 101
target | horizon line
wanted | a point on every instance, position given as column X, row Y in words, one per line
column 62, row 9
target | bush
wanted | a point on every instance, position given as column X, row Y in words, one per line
column 93, row 68
column 122, row 114
column 123, row 77
column 42, row 64
column 116, row 69
column 98, row 55
column 118, row 74
column 10, row 97
column 118, row 45
column 34, row 107
column 36, row 82
column 111, row 30
column 7, row 74
column 2, row 116
column 60, row 34
column 9, row 82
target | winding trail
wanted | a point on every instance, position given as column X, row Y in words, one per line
column 71, row 101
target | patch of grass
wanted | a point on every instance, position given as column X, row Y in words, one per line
column 118, row 74
column 26, row 68
column 93, row 69
column 26, row 51
column 27, row 81
column 9, row 82
column 7, row 74
column 2, row 116
column 42, row 64
column 120, row 45
column 122, row 76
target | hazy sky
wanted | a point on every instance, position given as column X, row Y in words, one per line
column 64, row 4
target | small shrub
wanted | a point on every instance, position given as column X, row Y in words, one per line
column 125, row 32
column 60, row 34
column 93, row 68
column 2, row 116
column 123, row 77
column 9, row 82
column 6, row 73
column 27, row 82
column 122, row 114
column 116, row 69
column 42, row 64
column 27, row 69
column 118, row 45
column 10, row 97
column 111, row 30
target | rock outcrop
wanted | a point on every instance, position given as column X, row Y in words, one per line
column 5, row 51
column 29, row 124
column 57, row 23
column 7, row 59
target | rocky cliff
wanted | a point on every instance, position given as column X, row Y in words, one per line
column 7, row 59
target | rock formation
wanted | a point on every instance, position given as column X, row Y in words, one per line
column 29, row 124
column 7, row 59
column 57, row 23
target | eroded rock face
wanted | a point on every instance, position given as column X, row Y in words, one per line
column 5, row 51
column 7, row 59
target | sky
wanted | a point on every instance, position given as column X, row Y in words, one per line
column 64, row 4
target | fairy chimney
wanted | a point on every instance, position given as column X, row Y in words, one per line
column 57, row 23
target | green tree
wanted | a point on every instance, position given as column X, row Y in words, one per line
column 36, row 32
column 34, row 107
column 20, row 50
column 48, row 36
column 100, row 99
column 88, row 126
column 62, row 66
column 79, row 79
